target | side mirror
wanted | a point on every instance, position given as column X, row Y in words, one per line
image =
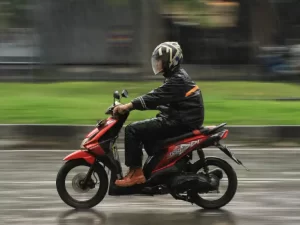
column 125, row 93
column 117, row 95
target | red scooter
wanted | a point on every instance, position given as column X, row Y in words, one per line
column 168, row 169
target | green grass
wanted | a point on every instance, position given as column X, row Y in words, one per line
column 86, row 102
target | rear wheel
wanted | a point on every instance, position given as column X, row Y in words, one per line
column 229, row 193
column 97, row 183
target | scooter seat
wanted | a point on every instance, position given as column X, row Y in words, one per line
column 208, row 130
column 181, row 137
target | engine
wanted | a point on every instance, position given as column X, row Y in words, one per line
column 196, row 182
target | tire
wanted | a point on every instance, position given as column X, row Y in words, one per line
column 230, row 192
column 64, row 195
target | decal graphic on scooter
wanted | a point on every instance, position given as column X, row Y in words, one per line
column 179, row 149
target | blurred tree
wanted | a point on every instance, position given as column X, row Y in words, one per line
column 118, row 2
column 189, row 3
column 205, row 13
column 13, row 13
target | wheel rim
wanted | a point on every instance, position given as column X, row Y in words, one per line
column 223, row 186
column 73, row 184
column 77, row 183
column 231, row 189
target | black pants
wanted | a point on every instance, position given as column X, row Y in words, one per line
column 148, row 131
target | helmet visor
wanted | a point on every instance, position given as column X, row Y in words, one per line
column 156, row 65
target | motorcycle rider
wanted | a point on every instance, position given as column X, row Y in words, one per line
column 185, row 110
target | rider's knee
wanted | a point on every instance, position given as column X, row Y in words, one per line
column 129, row 129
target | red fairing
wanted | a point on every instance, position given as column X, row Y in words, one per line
column 79, row 154
column 93, row 144
column 178, row 150
column 92, row 132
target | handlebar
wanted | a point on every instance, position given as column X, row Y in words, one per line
column 111, row 109
column 161, row 108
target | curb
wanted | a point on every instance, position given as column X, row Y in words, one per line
column 31, row 136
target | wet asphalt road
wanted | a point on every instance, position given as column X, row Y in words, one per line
column 268, row 194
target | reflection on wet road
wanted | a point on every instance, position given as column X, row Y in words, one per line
column 267, row 194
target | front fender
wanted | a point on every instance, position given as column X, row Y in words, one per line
column 79, row 154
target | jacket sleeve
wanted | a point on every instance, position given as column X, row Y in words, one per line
column 170, row 91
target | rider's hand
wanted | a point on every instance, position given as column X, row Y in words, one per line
column 121, row 109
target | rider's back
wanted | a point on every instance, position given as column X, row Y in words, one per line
column 182, row 97
column 188, row 107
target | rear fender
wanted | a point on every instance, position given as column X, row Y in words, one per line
column 199, row 164
column 79, row 154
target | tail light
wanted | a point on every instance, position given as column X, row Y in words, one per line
column 224, row 134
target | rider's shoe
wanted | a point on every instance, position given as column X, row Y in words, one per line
column 134, row 176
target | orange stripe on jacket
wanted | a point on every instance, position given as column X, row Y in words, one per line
column 194, row 89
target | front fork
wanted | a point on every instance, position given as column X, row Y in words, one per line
column 116, row 159
column 88, row 175
column 113, row 160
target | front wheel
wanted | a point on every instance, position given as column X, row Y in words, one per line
column 98, row 182
column 229, row 193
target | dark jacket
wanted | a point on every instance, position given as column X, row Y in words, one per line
column 182, row 97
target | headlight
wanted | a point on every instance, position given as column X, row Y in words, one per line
column 83, row 142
